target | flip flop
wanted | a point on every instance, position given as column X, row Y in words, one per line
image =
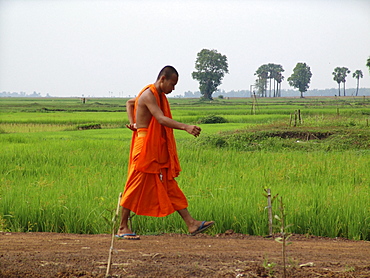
column 202, row 228
column 128, row 236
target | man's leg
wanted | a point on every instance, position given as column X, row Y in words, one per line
column 192, row 224
column 123, row 227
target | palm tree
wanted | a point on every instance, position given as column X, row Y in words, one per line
column 357, row 74
column 263, row 74
column 271, row 70
column 345, row 71
column 337, row 77
column 340, row 74
column 278, row 78
column 272, row 76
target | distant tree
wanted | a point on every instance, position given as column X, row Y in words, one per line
column 261, row 82
column 357, row 74
column 300, row 77
column 279, row 78
column 276, row 74
column 345, row 71
column 261, row 86
column 368, row 63
column 269, row 72
column 339, row 75
column 211, row 67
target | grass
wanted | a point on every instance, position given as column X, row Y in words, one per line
column 65, row 178
column 56, row 178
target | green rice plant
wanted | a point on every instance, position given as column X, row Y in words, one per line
column 63, row 117
column 29, row 127
column 50, row 105
column 3, row 227
column 296, row 176
column 71, row 176
column 68, row 181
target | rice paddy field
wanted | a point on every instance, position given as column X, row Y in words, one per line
column 64, row 163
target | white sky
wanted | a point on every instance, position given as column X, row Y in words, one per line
column 75, row 47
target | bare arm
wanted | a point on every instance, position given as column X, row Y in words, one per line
column 148, row 99
column 130, row 114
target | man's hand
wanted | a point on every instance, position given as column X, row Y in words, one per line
column 131, row 126
column 193, row 130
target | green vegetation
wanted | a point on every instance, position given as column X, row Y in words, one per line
column 357, row 75
column 57, row 178
column 211, row 67
column 212, row 119
column 301, row 77
column 269, row 71
column 339, row 76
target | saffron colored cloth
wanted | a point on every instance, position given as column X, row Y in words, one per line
column 151, row 188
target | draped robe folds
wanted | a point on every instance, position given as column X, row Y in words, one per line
column 151, row 188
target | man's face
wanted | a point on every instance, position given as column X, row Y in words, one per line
column 168, row 85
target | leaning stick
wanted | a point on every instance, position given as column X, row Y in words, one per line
column 114, row 219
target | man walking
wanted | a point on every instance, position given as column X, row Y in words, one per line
column 151, row 188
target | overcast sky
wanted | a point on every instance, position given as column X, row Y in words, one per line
column 75, row 47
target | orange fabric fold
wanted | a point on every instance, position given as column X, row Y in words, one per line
column 159, row 149
column 153, row 164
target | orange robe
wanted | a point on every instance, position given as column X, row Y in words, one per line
column 151, row 188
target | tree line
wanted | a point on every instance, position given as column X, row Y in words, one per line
column 340, row 75
column 222, row 94
column 20, row 94
column 212, row 66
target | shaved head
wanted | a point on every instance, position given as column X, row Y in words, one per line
column 168, row 71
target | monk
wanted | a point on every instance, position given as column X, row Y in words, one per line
column 151, row 188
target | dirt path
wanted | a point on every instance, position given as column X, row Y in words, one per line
column 172, row 255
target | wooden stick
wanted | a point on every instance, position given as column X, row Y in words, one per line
column 295, row 118
column 114, row 219
column 269, row 207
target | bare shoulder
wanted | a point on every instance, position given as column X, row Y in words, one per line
column 146, row 97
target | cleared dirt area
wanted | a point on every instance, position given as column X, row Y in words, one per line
column 174, row 255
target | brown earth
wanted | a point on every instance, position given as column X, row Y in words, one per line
column 174, row 255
